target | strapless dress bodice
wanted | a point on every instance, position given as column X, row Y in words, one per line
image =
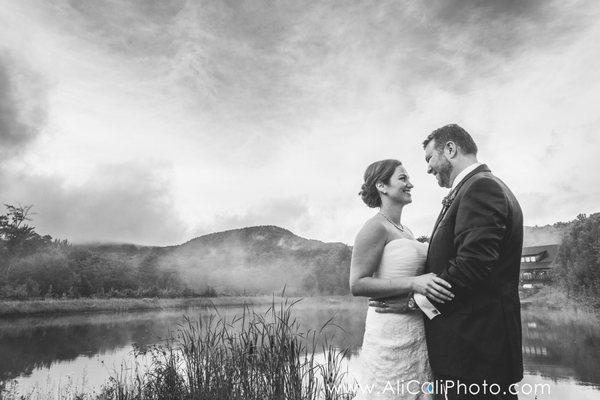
column 402, row 257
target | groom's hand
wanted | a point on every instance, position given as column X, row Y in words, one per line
column 397, row 305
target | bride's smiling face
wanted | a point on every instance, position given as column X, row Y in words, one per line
column 399, row 188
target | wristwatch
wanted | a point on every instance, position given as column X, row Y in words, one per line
column 412, row 304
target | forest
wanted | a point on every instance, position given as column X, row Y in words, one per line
column 577, row 269
column 35, row 266
column 249, row 261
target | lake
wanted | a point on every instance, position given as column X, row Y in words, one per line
column 561, row 348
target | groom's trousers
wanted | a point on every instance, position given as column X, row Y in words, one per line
column 460, row 389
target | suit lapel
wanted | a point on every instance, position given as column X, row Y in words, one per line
column 481, row 168
column 439, row 218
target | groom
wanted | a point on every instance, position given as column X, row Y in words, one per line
column 474, row 340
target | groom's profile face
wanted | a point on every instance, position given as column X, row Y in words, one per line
column 437, row 164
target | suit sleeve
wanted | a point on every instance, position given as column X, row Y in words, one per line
column 481, row 224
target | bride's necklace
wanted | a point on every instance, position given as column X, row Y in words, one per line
column 399, row 227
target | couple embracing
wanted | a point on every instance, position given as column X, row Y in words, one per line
column 444, row 319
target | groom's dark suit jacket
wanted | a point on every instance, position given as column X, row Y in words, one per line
column 476, row 246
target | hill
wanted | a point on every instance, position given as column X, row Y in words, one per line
column 253, row 260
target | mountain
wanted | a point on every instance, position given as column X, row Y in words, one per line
column 253, row 260
column 263, row 259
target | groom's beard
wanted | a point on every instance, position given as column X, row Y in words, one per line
column 443, row 174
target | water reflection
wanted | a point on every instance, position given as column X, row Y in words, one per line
column 37, row 342
column 561, row 346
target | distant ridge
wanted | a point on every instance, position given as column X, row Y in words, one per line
column 249, row 229
column 250, row 260
column 250, row 232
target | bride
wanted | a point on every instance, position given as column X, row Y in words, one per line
column 387, row 265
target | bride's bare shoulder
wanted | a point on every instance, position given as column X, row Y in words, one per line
column 372, row 229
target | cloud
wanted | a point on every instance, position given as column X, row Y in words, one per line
column 23, row 108
column 249, row 72
column 285, row 212
column 564, row 204
column 268, row 112
column 253, row 71
column 117, row 203
column 133, row 29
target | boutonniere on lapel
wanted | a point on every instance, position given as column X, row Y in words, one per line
column 447, row 201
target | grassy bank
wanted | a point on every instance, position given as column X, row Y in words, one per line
column 14, row 308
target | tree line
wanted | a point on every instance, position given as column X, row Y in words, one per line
column 578, row 261
column 35, row 266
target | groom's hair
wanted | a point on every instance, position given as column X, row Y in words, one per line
column 452, row 133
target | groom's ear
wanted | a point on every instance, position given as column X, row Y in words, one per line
column 450, row 149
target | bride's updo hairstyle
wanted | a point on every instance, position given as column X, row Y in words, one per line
column 379, row 171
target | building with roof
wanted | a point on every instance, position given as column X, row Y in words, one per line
column 536, row 264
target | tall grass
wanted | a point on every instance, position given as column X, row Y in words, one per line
column 254, row 356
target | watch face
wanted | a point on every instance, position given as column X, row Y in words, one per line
column 411, row 304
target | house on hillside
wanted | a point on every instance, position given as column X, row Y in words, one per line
column 536, row 264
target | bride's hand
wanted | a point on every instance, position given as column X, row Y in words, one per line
column 432, row 287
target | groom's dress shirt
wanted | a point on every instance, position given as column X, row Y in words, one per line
column 422, row 301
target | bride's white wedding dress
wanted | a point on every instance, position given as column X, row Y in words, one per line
column 394, row 351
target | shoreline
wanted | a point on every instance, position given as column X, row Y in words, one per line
column 547, row 297
column 22, row 308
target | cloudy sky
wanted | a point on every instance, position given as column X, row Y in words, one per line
column 153, row 122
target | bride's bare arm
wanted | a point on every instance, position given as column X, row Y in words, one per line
column 366, row 255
